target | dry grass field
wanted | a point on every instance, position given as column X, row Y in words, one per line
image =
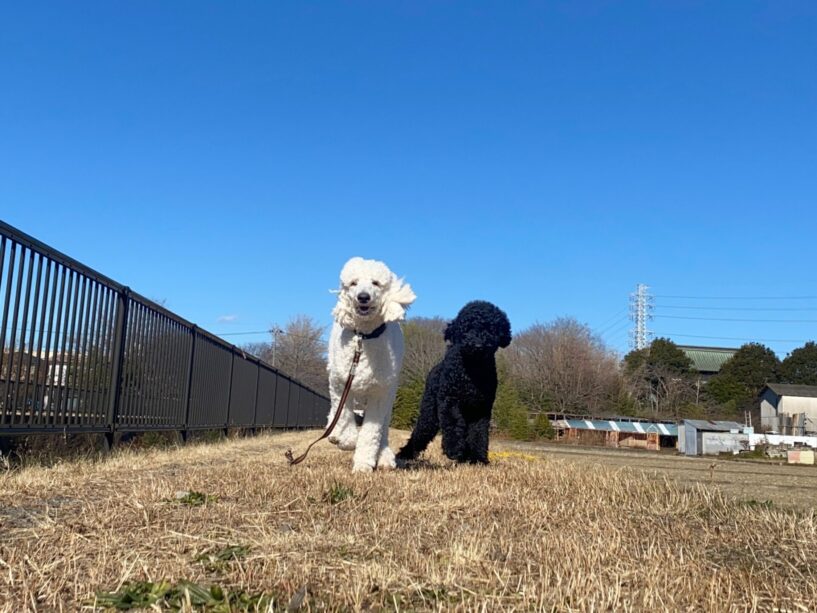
column 228, row 526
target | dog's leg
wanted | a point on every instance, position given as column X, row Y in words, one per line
column 425, row 429
column 453, row 426
column 476, row 441
column 370, row 435
column 346, row 430
column 385, row 458
column 345, row 433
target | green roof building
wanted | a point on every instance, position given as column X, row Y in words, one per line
column 707, row 360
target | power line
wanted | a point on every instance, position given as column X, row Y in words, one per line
column 736, row 338
column 778, row 321
column 738, row 297
column 241, row 333
column 706, row 308
column 623, row 319
column 610, row 321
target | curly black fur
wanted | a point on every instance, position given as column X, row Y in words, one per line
column 460, row 390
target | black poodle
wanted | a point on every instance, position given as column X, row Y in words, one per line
column 460, row 390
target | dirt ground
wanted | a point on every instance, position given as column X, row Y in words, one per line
column 786, row 486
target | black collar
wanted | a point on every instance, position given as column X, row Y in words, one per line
column 373, row 334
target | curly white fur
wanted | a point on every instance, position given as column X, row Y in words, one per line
column 375, row 383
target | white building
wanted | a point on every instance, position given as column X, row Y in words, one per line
column 785, row 407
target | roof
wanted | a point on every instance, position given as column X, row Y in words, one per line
column 707, row 359
column 636, row 427
column 714, row 426
column 787, row 389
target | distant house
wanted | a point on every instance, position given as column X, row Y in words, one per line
column 707, row 361
column 789, row 409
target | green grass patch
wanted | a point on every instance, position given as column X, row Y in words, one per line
column 337, row 493
column 164, row 595
column 218, row 559
column 194, row 499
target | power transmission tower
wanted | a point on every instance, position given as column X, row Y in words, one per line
column 641, row 306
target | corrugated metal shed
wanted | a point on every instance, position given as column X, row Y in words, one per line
column 707, row 359
column 714, row 426
column 664, row 429
column 691, row 441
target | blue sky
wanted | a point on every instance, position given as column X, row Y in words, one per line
column 547, row 156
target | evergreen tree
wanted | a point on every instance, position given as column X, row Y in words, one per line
column 510, row 415
column 740, row 380
column 800, row 366
column 407, row 404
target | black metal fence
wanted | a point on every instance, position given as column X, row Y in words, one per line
column 82, row 353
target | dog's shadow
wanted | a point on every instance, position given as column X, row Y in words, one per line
column 422, row 464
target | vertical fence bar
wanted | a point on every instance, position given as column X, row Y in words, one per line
column 46, row 307
column 257, row 388
column 230, row 390
column 82, row 367
column 117, row 357
column 9, row 282
column 28, row 416
column 91, row 356
column 107, row 350
column 23, row 330
column 72, row 343
column 76, row 351
column 56, row 377
column 189, row 385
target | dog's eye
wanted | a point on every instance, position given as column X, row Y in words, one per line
column 376, row 283
column 353, row 283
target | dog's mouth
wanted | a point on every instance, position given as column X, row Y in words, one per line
column 364, row 309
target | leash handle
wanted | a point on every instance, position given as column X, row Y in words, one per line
column 358, row 349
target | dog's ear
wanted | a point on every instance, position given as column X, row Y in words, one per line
column 343, row 312
column 504, row 329
column 397, row 299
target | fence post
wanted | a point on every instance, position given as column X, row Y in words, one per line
column 257, row 386
column 189, row 386
column 123, row 298
column 230, row 392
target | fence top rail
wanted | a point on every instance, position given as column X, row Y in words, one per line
column 57, row 256
column 38, row 246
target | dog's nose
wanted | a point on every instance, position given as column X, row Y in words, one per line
column 363, row 297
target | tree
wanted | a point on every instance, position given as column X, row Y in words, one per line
column 407, row 404
column 425, row 347
column 662, row 353
column 297, row 350
column 753, row 365
column 660, row 377
column 562, row 366
column 800, row 366
column 740, row 380
column 510, row 415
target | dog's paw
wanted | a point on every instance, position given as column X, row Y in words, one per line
column 362, row 468
column 386, row 460
column 347, row 445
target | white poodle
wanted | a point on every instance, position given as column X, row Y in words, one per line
column 371, row 301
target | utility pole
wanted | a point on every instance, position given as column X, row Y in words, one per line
column 641, row 307
column 276, row 333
